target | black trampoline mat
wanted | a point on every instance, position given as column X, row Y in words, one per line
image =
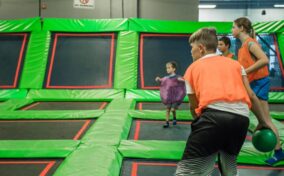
column 28, row 167
column 158, row 49
column 141, row 167
column 158, row 106
column 12, row 49
column 65, row 106
column 276, row 107
column 43, row 129
column 81, row 60
column 153, row 130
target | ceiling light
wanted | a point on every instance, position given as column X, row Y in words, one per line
column 207, row 6
column 279, row 5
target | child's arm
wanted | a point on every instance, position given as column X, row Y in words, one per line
column 158, row 79
column 193, row 104
column 261, row 58
column 180, row 79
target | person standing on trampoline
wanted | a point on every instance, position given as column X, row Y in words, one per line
column 220, row 98
column 172, row 91
column 224, row 44
column 255, row 62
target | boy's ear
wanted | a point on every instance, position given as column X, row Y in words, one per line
column 201, row 47
column 242, row 28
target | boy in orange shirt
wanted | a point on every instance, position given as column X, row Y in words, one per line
column 224, row 44
column 220, row 109
column 255, row 62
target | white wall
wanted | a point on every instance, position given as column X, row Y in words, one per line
column 16, row 9
column 271, row 14
column 169, row 9
column 231, row 14
column 152, row 9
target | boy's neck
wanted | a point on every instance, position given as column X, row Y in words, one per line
column 209, row 52
column 226, row 53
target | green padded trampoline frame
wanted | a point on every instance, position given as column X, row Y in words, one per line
column 103, row 147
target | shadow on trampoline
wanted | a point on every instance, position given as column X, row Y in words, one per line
column 140, row 167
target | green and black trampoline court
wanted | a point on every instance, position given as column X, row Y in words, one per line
column 78, row 96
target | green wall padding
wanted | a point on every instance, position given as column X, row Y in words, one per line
column 269, row 27
column 152, row 149
column 58, row 114
column 37, row 148
column 173, row 150
column 112, row 126
column 23, row 25
column 75, row 95
column 145, row 95
column 280, row 38
column 159, row 26
column 98, row 152
column 6, row 94
column 276, row 97
column 126, row 60
column 13, row 104
column 85, row 25
column 98, row 160
column 35, row 62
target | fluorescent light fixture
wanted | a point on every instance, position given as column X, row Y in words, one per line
column 279, row 5
column 207, row 6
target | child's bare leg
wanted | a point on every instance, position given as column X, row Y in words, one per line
column 278, row 153
column 167, row 118
column 174, row 116
column 265, row 108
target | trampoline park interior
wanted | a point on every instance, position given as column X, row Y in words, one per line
column 78, row 97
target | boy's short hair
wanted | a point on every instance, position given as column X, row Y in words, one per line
column 173, row 63
column 206, row 37
column 226, row 40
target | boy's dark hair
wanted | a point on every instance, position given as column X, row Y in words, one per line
column 226, row 40
column 173, row 63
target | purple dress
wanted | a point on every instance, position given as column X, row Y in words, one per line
column 172, row 91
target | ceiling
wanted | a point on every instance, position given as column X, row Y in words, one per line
column 242, row 4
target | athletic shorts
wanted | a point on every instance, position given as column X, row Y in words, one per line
column 216, row 131
column 172, row 106
column 261, row 88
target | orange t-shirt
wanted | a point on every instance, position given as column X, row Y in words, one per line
column 215, row 79
column 246, row 60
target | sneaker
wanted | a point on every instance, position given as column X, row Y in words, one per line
column 174, row 122
column 278, row 156
column 167, row 125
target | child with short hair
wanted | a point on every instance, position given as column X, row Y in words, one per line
column 255, row 62
column 220, row 109
column 224, row 44
column 172, row 91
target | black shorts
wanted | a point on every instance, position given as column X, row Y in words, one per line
column 173, row 106
column 216, row 131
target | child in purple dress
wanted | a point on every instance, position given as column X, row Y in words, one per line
column 172, row 91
